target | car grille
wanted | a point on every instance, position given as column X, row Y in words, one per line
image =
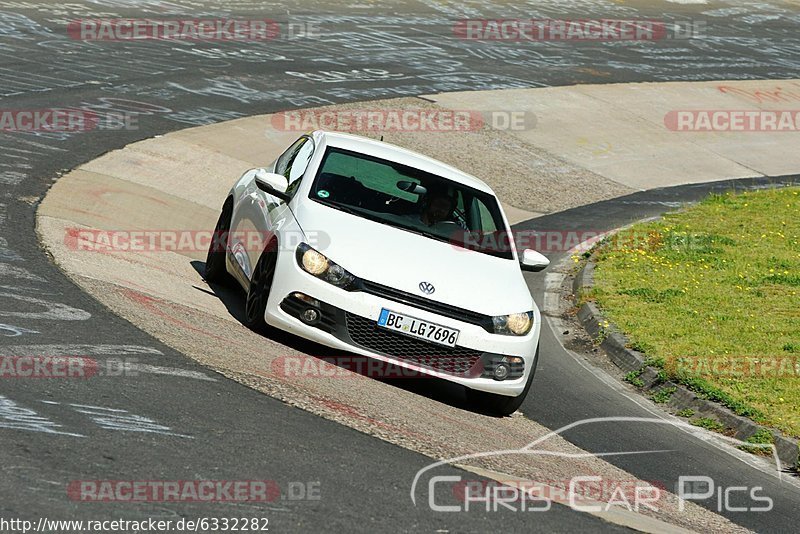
column 453, row 360
column 459, row 314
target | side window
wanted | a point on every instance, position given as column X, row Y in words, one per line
column 298, row 166
column 285, row 159
column 294, row 162
column 485, row 220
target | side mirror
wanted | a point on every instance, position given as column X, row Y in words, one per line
column 533, row 261
column 272, row 184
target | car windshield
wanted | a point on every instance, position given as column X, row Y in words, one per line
column 410, row 199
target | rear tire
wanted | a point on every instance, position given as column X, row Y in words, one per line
column 216, row 271
column 258, row 292
column 501, row 405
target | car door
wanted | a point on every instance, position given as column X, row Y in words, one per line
column 260, row 214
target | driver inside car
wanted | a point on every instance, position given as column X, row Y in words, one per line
column 437, row 207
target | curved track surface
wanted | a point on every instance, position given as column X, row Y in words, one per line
column 194, row 424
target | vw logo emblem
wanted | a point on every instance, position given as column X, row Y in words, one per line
column 427, row 288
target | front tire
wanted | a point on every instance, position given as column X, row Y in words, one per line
column 501, row 405
column 258, row 292
column 216, row 271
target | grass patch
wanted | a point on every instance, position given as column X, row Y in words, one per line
column 662, row 396
column 633, row 378
column 762, row 437
column 686, row 412
column 710, row 296
column 708, row 424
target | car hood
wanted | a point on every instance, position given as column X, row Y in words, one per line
column 402, row 260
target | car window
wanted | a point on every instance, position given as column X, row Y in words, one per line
column 299, row 164
column 485, row 221
column 408, row 198
column 294, row 162
column 370, row 174
column 285, row 159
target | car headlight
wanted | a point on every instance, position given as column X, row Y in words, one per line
column 314, row 262
column 514, row 324
column 317, row 264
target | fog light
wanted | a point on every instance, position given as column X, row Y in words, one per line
column 502, row 371
column 502, row 367
column 310, row 315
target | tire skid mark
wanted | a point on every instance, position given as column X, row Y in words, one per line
column 71, row 239
column 150, row 302
column 352, row 412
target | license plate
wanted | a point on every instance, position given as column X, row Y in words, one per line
column 411, row 326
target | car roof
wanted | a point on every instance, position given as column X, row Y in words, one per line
column 390, row 152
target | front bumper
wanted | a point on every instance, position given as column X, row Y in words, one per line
column 348, row 322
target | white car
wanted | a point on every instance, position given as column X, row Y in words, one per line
column 385, row 253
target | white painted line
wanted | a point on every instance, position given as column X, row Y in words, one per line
column 120, row 420
column 171, row 371
column 15, row 417
column 91, row 407
column 124, row 421
column 15, row 331
column 19, row 273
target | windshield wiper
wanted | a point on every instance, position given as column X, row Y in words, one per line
column 395, row 224
column 365, row 213
column 418, row 231
column 344, row 208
